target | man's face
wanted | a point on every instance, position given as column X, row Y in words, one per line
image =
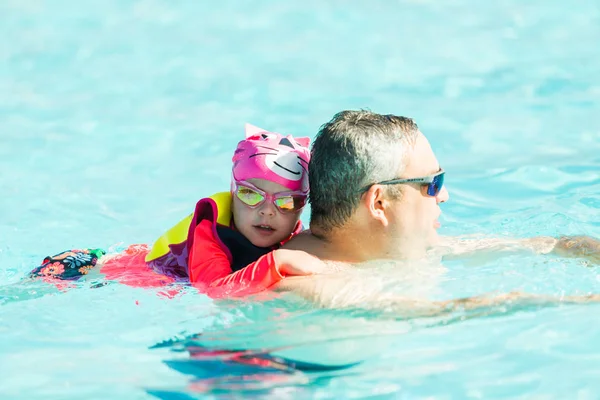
column 414, row 216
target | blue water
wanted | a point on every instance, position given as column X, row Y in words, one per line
column 116, row 116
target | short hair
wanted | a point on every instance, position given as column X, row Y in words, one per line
column 352, row 150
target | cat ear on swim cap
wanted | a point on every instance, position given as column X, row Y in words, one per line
column 252, row 130
column 303, row 141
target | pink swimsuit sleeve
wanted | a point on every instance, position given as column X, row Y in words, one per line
column 210, row 270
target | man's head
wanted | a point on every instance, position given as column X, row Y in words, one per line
column 351, row 156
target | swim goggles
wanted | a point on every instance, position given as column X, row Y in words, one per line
column 285, row 202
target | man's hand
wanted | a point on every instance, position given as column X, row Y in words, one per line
column 297, row 263
column 579, row 246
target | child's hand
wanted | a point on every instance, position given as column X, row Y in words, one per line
column 297, row 262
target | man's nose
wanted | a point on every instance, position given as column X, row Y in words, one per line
column 443, row 195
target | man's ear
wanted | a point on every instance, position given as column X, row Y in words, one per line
column 376, row 204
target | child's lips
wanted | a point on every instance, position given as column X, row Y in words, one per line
column 264, row 229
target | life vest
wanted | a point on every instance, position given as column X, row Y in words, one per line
column 169, row 253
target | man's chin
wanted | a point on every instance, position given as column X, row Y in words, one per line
column 433, row 240
column 413, row 249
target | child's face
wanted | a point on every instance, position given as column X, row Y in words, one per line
column 264, row 225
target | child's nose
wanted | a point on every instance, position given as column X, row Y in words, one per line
column 267, row 208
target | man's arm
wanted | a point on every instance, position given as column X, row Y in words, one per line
column 582, row 246
column 340, row 291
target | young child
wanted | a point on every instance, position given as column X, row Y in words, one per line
column 229, row 239
column 229, row 244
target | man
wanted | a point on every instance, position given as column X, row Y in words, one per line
column 376, row 190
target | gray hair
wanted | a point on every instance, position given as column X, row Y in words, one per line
column 353, row 150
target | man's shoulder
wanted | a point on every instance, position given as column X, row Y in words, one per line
column 302, row 241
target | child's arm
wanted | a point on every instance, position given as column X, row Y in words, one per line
column 209, row 267
column 297, row 262
column 251, row 279
column 210, row 270
column 265, row 272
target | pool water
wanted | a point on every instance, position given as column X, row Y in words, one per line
column 116, row 116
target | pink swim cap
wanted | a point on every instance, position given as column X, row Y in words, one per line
column 272, row 157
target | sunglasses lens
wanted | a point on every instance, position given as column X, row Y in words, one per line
column 290, row 203
column 434, row 187
column 249, row 196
